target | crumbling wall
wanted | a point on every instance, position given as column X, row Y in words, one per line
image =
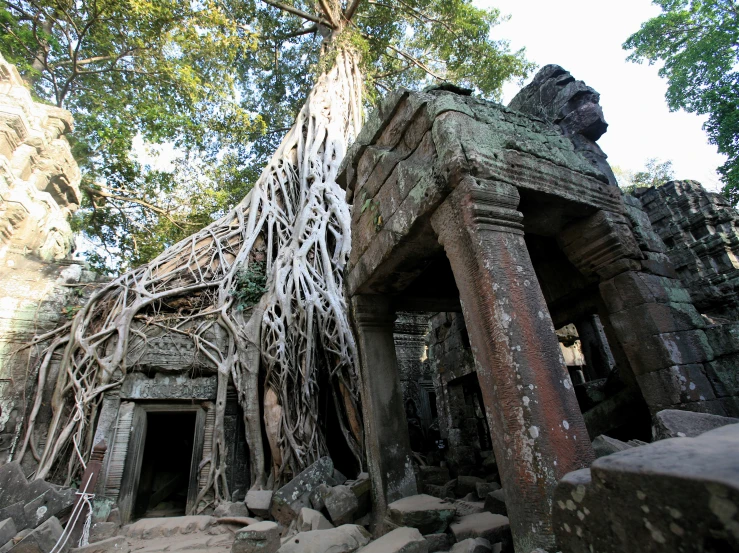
column 40, row 287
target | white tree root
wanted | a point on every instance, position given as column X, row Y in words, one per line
column 296, row 221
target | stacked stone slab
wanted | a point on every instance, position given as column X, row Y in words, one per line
column 701, row 232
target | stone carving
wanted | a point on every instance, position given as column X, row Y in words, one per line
column 138, row 386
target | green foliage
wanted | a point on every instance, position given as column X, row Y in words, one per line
column 655, row 174
column 221, row 81
column 250, row 285
column 698, row 42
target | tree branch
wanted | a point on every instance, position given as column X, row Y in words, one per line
column 351, row 9
column 295, row 11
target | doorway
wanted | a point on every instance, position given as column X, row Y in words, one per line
column 165, row 468
column 160, row 477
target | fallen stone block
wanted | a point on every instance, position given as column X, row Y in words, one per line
column 673, row 423
column 102, row 531
column 467, row 485
column 434, row 475
column 288, row 500
column 472, row 545
column 493, row 528
column 13, row 485
column 400, row 540
column 362, row 489
column 238, row 522
column 7, row 530
column 310, row 519
column 341, row 504
column 50, row 502
column 344, row 539
column 117, row 544
column 318, row 497
column 605, row 445
column 258, row 502
column 495, row 503
column 464, row 507
column 429, row 514
column 339, row 478
column 482, row 489
column 438, row 542
column 231, row 509
column 17, row 513
column 42, row 539
column 262, row 537
column 148, row 528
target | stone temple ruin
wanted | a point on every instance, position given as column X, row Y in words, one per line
column 517, row 317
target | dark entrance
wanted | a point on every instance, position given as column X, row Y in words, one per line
column 165, row 469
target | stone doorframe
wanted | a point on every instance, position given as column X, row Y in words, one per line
column 442, row 173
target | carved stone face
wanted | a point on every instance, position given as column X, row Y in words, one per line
column 584, row 115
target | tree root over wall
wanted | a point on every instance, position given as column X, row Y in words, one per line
column 297, row 222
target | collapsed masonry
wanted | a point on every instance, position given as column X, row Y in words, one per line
column 477, row 231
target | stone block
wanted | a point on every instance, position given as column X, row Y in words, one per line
column 658, row 264
column 482, row 489
column 288, row 500
column 13, row 485
column 116, row 544
column 665, row 350
column 262, row 537
column 605, row 445
column 434, row 475
column 310, row 519
column 472, row 545
column 635, row 323
column 7, row 530
column 362, row 489
column 427, row 513
column 493, row 528
column 17, row 513
column 400, row 540
column 495, row 503
column 675, row 385
column 673, row 423
column 723, row 338
column 42, row 539
column 438, row 542
column 341, row 504
column 670, row 495
column 51, row 502
column 318, row 496
column 467, row 485
column 100, row 531
column 258, row 502
column 723, row 375
column 231, row 509
column 344, row 539
column 463, row 507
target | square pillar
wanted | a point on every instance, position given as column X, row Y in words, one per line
column 385, row 426
column 538, row 432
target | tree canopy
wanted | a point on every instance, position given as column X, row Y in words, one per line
column 698, row 43
column 655, row 173
column 221, row 81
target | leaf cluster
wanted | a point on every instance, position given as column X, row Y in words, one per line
column 697, row 42
column 250, row 285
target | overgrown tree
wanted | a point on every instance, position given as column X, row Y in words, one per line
column 288, row 238
column 655, row 173
column 698, row 43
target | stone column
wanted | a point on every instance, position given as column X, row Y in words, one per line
column 598, row 357
column 538, row 431
column 385, row 426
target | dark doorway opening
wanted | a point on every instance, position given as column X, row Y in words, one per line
column 165, row 469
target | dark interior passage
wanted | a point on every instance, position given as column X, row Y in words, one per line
column 165, row 469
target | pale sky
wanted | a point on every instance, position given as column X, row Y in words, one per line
column 585, row 37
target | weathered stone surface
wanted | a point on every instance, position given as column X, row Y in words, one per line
column 344, row 539
column 495, row 503
column 438, row 542
column 400, row 540
column 148, row 528
column 671, row 495
column 231, row 509
column 467, row 485
column 51, row 501
column 434, row 475
column 13, row 485
column 310, row 519
column 259, row 501
column 464, row 507
column 17, row 513
column 482, row 489
column 102, row 531
column 427, row 513
column 262, row 537
column 7, row 530
column 42, row 539
column 288, row 500
column 493, row 528
column 605, row 445
column 672, row 423
column 116, row 544
column 472, row 545
column 341, row 504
